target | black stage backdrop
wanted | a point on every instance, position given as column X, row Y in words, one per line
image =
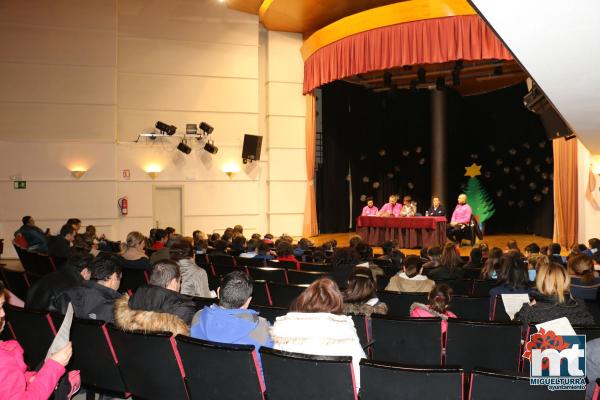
column 382, row 141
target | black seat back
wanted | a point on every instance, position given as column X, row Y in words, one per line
column 471, row 308
column 283, row 295
column 38, row 264
column 482, row 287
column 303, row 277
column 594, row 308
column 210, row 367
column 268, row 274
column 250, row 262
column 269, row 313
column 33, row 329
column 93, row 355
column 260, row 293
column 412, row 341
column 149, row 364
column 591, row 332
column 363, row 329
column 292, row 376
column 498, row 312
column 473, row 344
column 488, row 385
column 462, row 287
column 131, row 279
column 15, row 281
column 222, row 270
column 222, row 260
column 383, row 381
column 399, row 303
column 315, row 267
column 281, row 264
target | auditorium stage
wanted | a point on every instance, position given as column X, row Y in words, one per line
column 491, row 240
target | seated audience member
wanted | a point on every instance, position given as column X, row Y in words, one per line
column 436, row 209
column 391, row 254
column 200, row 242
column 485, row 250
column 303, row 245
column 238, row 229
column 263, row 251
column 157, row 306
column 250, row 249
column 584, row 279
column 451, row 265
column 95, row 299
column 410, row 279
column 43, row 295
column 370, row 210
column 268, row 239
column 532, row 249
column 513, row 247
column 493, row 265
column 19, row 383
column 514, row 278
column 227, row 236
column 59, row 245
column 437, row 306
column 318, row 256
column 434, row 254
column 220, row 248
column 552, row 299
column 160, row 246
column 593, row 247
column 554, row 254
column 285, row 252
column 409, row 209
column 231, row 321
column 213, row 239
column 256, row 236
column 133, row 256
column 238, row 245
column 75, row 223
column 475, row 259
column 171, row 234
column 316, row 325
column 360, row 295
column 461, row 218
column 343, row 262
column 36, row 238
column 354, row 240
column 392, row 208
column 194, row 280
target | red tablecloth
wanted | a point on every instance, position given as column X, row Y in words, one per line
column 410, row 232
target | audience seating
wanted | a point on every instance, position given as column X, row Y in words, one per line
column 94, row 356
column 269, row 274
column 201, row 259
column 33, row 329
column 202, row 302
column 260, row 293
column 295, row 376
column 399, row 303
column 283, row 295
column 57, row 262
column 15, row 281
column 149, row 363
column 281, row 264
column 591, row 331
column 34, row 263
column 217, row 371
column 471, row 308
column 412, row 341
column 498, row 312
column 315, row 267
column 472, row 273
column 594, row 308
column 303, row 277
column 250, row 262
column 362, row 324
column 482, row 287
column 131, row 279
column 459, row 286
column 222, row 260
column 473, row 344
column 384, row 381
column 382, row 282
column 269, row 313
column 488, row 385
column 222, row 270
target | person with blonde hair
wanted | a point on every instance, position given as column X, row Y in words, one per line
column 552, row 299
column 133, row 255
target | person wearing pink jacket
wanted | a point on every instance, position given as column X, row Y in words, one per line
column 438, row 301
column 16, row 382
column 461, row 218
column 391, row 209
column 369, row 210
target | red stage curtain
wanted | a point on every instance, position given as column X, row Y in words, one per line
column 421, row 42
column 310, row 227
column 565, row 192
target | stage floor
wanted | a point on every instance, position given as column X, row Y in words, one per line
column 491, row 240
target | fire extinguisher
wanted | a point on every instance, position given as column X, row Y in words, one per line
column 122, row 203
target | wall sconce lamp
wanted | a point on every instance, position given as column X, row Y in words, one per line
column 153, row 170
column 231, row 169
column 78, row 172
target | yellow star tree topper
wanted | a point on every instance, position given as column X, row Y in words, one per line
column 473, row 170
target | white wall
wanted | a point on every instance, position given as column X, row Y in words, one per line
column 80, row 80
column 589, row 216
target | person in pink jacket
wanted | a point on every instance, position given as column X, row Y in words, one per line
column 438, row 299
column 369, row 210
column 16, row 382
column 391, row 209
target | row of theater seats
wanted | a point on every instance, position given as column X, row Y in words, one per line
column 160, row 366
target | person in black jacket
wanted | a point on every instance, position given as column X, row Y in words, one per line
column 59, row 245
column 43, row 295
column 552, row 299
column 95, row 299
column 450, row 265
column 160, row 296
column 436, row 209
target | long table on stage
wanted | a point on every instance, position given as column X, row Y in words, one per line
column 410, row 232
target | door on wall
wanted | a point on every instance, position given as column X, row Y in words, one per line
column 168, row 210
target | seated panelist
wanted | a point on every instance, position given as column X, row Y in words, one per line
column 461, row 217
column 391, row 209
column 369, row 210
column 436, row 209
column 409, row 208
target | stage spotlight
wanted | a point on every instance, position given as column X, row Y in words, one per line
column 206, row 128
column 387, row 78
column 456, row 77
column 165, row 128
column 211, row 148
column 191, row 129
column 421, row 74
column 440, row 83
column 184, row 148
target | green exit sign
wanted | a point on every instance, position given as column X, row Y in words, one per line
column 20, row 184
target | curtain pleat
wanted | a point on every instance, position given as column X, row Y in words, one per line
column 310, row 227
column 565, row 192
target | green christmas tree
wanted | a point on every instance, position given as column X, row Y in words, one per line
column 478, row 198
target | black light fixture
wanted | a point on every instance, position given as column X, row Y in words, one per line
column 184, row 148
column 456, row 77
column 413, row 86
column 211, row 148
column 498, row 71
column 440, row 83
column 191, row 129
column 387, row 78
column 206, row 128
column 421, row 75
column 166, row 128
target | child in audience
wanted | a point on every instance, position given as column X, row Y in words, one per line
column 360, row 297
column 285, row 253
column 410, row 279
column 584, row 279
column 491, row 268
column 438, row 300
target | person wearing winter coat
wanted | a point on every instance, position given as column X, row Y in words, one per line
column 411, row 278
column 552, row 299
column 316, row 325
column 360, row 297
column 437, row 306
column 16, row 382
column 194, row 280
